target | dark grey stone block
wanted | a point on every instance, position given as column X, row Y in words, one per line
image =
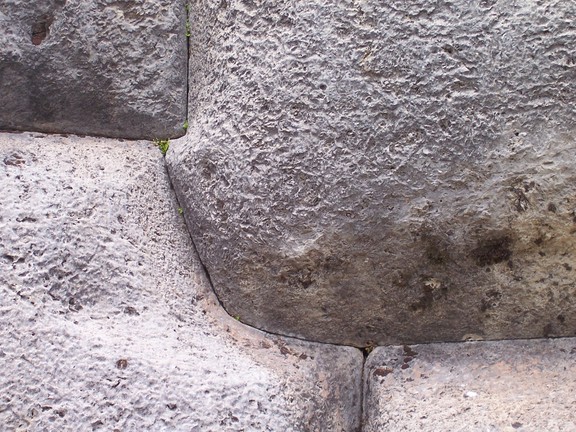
column 380, row 172
column 98, row 67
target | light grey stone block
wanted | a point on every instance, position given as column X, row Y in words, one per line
column 501, row 386
column 107, row 321
column 385, row 172
column 98, row 67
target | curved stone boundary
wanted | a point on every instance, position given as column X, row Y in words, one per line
column 107, row 321
column 384, row 172
column 355, row 174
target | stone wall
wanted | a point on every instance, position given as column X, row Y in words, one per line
column 361, row 172
column 378, row 172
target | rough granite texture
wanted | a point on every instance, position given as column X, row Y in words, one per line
column 385, row 171
column 508, row 386
column 100, row 67
column 107, row 322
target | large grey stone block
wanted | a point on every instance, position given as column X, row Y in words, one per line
column 379, row 172
column 506, row 386
column 107, row 321
column 99, row 67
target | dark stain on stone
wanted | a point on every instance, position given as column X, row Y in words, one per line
column 436, row 251
column 567, row 266
column 436, row 247
column 30, row 219
column 129, row 310
column 561, row 318
column 516, row 425
column 490, row 301
column 547, row 330
column 74, row 305
column 552, row 208
column 14, row 159
column 382, row 372
column 424, row 302
column 331, row 263
column 492, row 251
column 122, row 364
column 529, row 186
column 306, row 282
column 408, row 351
column 96, row 425
column 404, row 366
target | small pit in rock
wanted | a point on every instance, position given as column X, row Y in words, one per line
column 40, row 29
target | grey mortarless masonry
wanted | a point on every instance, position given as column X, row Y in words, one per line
column 385, row 172
column 357, row 173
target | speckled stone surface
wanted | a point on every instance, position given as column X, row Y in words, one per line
column 107, row 322
column 505, row 386
column 96, row 67
column 385, row 171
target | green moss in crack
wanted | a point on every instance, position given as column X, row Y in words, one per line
column 188, row 29
column 163, row 145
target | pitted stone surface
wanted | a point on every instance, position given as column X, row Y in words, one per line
column 380, row 172
column 506, row 386
column 108, row 322
column 98, row 67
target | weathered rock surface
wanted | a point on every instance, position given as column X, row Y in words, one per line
column 108, row 323
column 479, row 386
column 101, row 67
column 383, row 172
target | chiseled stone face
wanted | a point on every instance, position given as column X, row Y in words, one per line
column 99, row 67
column 368, row 172
column 108, row 322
